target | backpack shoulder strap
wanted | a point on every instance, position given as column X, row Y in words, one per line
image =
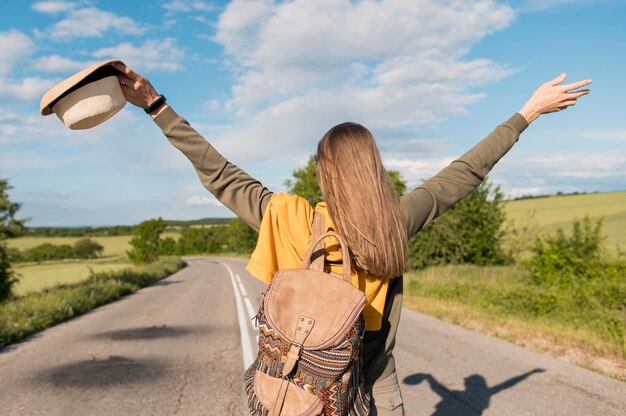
column 318, row 251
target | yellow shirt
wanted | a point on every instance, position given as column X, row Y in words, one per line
column 284, row 236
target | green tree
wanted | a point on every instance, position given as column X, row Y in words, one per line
column 145, row 241
column 9, row 227
column 241, row 237
column 469, row 232
column 305, row 184
column 398, row 184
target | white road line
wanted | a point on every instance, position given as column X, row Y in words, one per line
column 249, row 307
column 243, row 289
column 246, row 342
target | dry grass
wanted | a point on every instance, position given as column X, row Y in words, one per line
column 578, row 347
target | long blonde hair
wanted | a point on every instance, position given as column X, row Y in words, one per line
column 361, row 201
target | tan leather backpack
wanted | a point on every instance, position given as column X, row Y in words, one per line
column 310, row 340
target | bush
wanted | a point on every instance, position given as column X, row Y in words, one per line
column 591, row 289
column 562, row 260
column 469, row 232
column 237, row 237
column 195, row 240
column 167, row 246
column 86, row 248
column 47, row 252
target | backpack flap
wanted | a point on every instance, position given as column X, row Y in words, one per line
column 330, row 302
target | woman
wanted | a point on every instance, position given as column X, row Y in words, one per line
column 359, row 204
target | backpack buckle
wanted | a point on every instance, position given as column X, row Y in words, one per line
column 302, row 332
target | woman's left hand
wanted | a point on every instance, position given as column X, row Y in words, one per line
column 137, row 89
column 551, row 97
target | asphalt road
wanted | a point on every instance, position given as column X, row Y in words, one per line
column 180, row 346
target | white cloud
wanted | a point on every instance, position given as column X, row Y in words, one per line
column 566, row 172
column 153, row 55
column 285, row 47
column 416, row 170
column 16, row 47
column 203, row 200
column 53, row 7
column 57, row 63
column 239, row 25
column 180, row 6
column 91, row 22
column 389, row 62
column 528, row 174
column 27, row 89
column 540, row 5
column 436, row 67
column 587, row 165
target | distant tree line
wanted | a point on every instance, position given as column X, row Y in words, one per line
column 147, row 244
column 559, row 193
column 78, row 231
column 111, row 231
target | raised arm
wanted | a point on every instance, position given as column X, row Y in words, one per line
column 234, row 188
column 462, row 176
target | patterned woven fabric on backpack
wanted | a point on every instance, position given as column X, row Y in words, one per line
column 310, row 341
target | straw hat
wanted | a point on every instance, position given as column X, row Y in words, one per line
column 87, row 98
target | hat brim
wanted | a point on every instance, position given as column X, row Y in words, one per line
column 63, row 88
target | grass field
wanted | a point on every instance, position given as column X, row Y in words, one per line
column 34, row 278
column 559, row 211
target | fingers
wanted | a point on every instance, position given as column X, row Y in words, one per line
column 575, row 85
column 577, row 94
column 125, row 80
column 125, row 70
column 558, row 80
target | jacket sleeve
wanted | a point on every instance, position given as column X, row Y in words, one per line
column 461, row 177
column 233, row 187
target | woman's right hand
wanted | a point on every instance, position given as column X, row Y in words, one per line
column 551, row 97
column 137, row 89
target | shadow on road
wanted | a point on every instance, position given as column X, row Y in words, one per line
column 469, row 402
column 152, row 332
column 166, row 282
column 99, row 373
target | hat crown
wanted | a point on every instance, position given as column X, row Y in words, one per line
column 87, row 98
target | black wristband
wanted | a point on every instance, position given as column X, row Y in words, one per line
column 156, row 104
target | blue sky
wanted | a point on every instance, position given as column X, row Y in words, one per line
column 264, row 80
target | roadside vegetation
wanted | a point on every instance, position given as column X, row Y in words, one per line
column 22, row 316
column 566, row 299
